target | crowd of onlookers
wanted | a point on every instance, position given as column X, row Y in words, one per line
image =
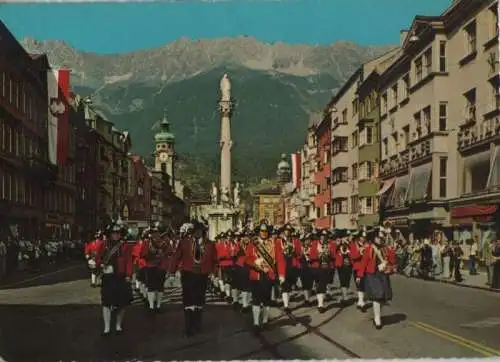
column 451, row 260
column 17, row 254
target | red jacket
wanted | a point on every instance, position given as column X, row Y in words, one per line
column 356, row 255
column 136, row 254
column 240, row 254
column 314, row 256
column 339, row 257
column 369, row 260
column 296, row 254
column 90, row 247
column 225, row 253
column 124, row 261
column 162, row 260
column 183, row 257
column 276, row 252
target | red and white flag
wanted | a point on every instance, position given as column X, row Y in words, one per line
column 58, row 122
column 296, row 169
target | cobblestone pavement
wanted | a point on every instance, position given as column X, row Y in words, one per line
column 57, row 317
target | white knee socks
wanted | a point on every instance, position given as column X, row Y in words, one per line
column 119, row 319
column 286, row 299
column 234, row 295
column 307, row 295
column 256, row 315
column 151, row 299
column 245, row 299
column 227, row 290
column 377, row 317
column 321, row 299
column 344, row 293
column 361, row 299
column 265, row 315
column 159, row 298
column 106, row 316
column 93, row 278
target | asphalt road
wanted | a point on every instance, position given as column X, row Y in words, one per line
column 57, row 317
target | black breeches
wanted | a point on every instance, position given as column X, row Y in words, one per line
column 345, row 274
column 141, row 275
column 291, row 277
column 194, row 288
column 261, row 290
column 155, row 279
column 241, row 278
column 306, row 278
column 321, row 278
column 226, row 274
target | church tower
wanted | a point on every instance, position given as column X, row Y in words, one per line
column 164, row 150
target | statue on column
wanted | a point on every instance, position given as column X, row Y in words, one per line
column 214, row 195
column 224, row 197
column 236, row 195
column 225, row 88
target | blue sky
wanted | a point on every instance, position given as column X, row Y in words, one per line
column 114, row 27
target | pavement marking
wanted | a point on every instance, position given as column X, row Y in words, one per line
column 485, row 323
column 24, row 281
column 464, row 342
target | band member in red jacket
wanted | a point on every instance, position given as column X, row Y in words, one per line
column 90, row 256
column 114, row 258
column 226, row 262
column 292, row 252
column 196, row 257
column 343, row 264
column 377, row 264
column 156, row 254
column 357, row 248
column 241, row 271
column 267, row 267
column 140, row 278
column 321, row 260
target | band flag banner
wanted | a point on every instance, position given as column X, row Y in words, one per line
column 58, row 116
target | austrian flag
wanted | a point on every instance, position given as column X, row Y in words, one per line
column 58, row 122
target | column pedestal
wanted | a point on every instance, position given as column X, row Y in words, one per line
column 221, row 219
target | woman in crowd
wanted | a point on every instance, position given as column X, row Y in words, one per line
column 446, row 253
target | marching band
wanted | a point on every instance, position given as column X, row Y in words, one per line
column 248, row 269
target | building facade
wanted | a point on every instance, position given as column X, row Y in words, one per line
column 267, row 205
column 322, row 199
column 25, row 172
column 140, row 190
column 441, row 87
column 308, row 168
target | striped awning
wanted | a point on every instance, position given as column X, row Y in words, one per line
column 386, row 186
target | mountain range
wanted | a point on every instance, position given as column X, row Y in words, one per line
column 276, row 86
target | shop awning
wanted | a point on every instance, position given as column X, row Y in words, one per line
column 473, row 211
column 398, row 196
column 386, row 186
column 494, row 177
column 419, row 182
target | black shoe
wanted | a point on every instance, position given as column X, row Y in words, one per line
column 321, row 310
column 229, row 300
column 236, row 306
column 93, row 285
column 106, row 334
column 245, row 310
column 119, row 332
column 287, row 309
column 377, row 326
column 256, row 330
column 308, row 303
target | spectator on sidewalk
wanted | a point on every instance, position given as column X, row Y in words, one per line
column 446, row 253
column 457, row 254
column 426, row 261
column 3, row 259
column 436, row 258
column 489, row 260
column 473, row 257
column 12, row 255
column 495, row 278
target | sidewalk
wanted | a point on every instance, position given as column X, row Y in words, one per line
column 470, row 281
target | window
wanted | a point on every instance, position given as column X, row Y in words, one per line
column 427, row 119
column 354, row 204
column 394, row 95
column 355, row 172
column 366, row 205
column 470, row 37
column 442, row 177
column 494, row 21
column 418, row 70
column 406, row 85
column 355, row 139
column 366, row 136
column 339, row 175
column 442, row 56
column 495, row 92
column 355, row 104
column 344, row 116
column 369, row 135
column 384, row 103
column 385, row 148
column 418, row 126
column 365, row 171
column 340, row 206
column 428, row 61
column 443, row 114
column 395, row 140
column 340, row 145
column 470, row 105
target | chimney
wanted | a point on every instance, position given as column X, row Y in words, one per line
column 402, row 36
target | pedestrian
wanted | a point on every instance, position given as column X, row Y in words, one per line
column 344, row 266
column 114, row 257
column 291, row 250
column 196, row 258
column 473, row 256
column 426, row 260
column 489, row 260
column 495, row 278
column 446, row 253
column 456, row 261
column 3, row 259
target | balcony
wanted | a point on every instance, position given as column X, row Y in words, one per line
column 474, row 134
column 420, row 151
column 395, row 164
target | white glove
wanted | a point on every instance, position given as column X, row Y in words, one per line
column 87, row 256
column 282, row 280
column 382, row 266
column 259, row 262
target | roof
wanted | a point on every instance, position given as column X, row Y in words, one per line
column 271, row 190
column 314, row 119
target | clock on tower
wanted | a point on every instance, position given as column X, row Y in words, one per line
column 164, row 150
